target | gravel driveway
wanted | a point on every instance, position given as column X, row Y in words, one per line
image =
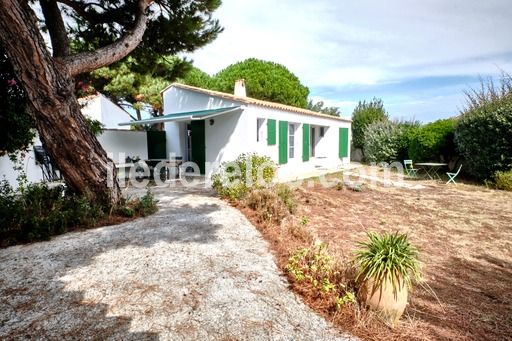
column 197, row 269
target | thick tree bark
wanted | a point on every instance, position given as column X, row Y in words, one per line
column 56, row 28
column 49, row 86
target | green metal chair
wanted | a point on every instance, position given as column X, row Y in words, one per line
column 452, row 176
column 410, row 171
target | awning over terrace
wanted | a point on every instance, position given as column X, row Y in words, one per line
column 184, row 116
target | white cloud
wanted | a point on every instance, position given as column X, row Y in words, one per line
column 366, row 42
column 335, row 42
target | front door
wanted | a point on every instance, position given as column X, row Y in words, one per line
column 197, row 139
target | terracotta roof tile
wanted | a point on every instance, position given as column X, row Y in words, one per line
column 249, row 100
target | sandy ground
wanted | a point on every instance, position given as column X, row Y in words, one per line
column 464, row 234
column 197, row 269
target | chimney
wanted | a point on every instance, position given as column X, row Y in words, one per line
column 240, row 88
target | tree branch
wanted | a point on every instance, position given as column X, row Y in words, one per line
column 92, row 60
column 56, row 28
column 86, row 11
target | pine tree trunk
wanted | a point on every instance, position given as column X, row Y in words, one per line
column 49, row 86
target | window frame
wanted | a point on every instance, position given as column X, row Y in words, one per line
column 291, row 140
column 260, row 122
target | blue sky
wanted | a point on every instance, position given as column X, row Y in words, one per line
column 417, row 56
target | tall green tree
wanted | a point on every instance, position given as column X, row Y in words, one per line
column 264, row 80
column 131, row 82
column 366, row 113
column 103, row 32
column 320, row 107
column 197, row 77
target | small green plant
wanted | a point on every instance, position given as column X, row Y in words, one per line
column 304, row 220
column 314, row 265
column 387, row 257
column 340, row 186
column 146, row 205
column 347, row 298
column 503, row 180
column 287, row 196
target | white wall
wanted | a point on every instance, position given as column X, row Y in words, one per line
column 31, row 169
column 235, row 133
column 100, row 108
column 326, row 149
column 225, row 139
column 178, row 100
column 122, row 143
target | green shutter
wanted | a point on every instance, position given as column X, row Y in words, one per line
column 156, row 144
column 343, row 143
column 305, row 142
column 271, row 132
column 283, row 142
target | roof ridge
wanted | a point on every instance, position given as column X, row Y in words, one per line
column 250, row 100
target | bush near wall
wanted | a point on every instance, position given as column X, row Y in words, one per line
column 484, row 132
column 34, row 212
column 383, row 141
column 37, row 212
column 434, row 142
column 234, row 179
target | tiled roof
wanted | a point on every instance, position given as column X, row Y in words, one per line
column 249, row 100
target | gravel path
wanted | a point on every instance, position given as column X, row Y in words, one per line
column 196, row 270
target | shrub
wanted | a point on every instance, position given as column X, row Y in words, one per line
column 314, row 266
column 434, row 142
column 235, row 178
column 286, row 194
column 503, row 180
column 146, row 205
column 37, row 212
column 365, row 114
column 267, row 205
column 382, row 141
column 483, row 133
column 409, row 129
column 387, row 258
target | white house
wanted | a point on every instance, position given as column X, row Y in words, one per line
column 119, row 142
column 98, row 107
column 210, row 127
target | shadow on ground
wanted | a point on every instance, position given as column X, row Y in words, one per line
column 471, row 291
column 33, row 295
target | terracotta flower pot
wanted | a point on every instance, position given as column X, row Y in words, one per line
column 388, row 303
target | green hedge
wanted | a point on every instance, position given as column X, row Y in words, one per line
column 434, row 142
column 484, row 133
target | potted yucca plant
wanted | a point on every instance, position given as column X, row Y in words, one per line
column 387, row 265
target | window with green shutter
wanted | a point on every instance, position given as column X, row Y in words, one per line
column 271, row 132
column 283, row 142
column 343, row 142
column 305, row 142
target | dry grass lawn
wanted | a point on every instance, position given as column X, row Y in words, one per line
column 464, row 233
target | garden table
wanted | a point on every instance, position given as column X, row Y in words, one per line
column 431, row 169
